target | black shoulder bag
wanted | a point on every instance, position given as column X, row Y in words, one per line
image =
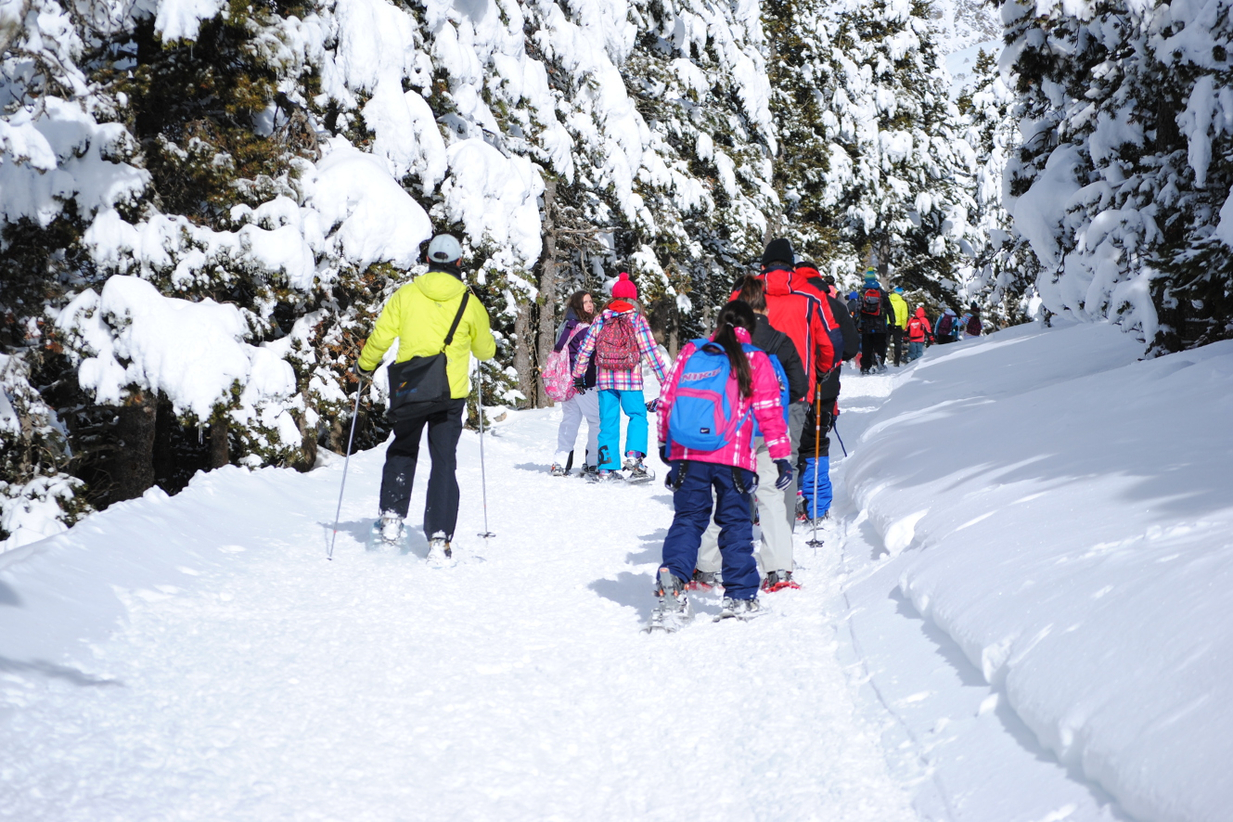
column 423, row 379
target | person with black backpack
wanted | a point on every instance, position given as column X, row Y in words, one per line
column 439, row 326
column 874, row 317
column 706, row 438
column 619, row 340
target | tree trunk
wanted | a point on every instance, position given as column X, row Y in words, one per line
column 522, row 354
column 308, row 445
column 134, row 466
column 547, row 304
column 220, row 452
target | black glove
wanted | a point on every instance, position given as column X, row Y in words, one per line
column 785, row 474
column 580, row 384
column 652, row 406
column 663, row 453
column 362, row 373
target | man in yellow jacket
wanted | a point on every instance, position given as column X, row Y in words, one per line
column 419, row 316
column 898, row 322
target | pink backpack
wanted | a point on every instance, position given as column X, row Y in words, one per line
column 617, row 346
column 558, row 381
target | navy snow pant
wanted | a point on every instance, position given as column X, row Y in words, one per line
column 694, row 483
column 444, row 421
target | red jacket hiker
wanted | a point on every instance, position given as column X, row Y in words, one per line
column 918, row 327
column 801, row 318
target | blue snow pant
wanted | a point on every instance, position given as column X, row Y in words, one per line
column 818, row 494
column 915, row 350
column 611, row 403
column 444, row 421
column 693, row 483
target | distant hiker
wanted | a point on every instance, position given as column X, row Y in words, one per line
column 775, row 556
column 918, row 333
column 970, row 323
column 580, row 397
column 947, row 328
column 620, row 340
column 703, row 460
column 813, row 454
column 874, row 320
column 899, row 322
column 438, row 325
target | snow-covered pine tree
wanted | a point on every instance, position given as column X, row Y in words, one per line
column 1003, row 268
column 1122, row 181
column 873, row 165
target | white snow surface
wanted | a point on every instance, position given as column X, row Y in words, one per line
column 1022, row 566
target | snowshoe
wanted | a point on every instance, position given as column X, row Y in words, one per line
column 704, row 580
column 779, row 580
column 743, row 609
column 674, row 611
column 608, row 477
column 558, row 470
column 637, row 473
column 389, row 536
column 440, row 555
column 588, row 472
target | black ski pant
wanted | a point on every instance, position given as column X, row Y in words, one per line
column 873, row 350
column 444, row 421
column 809, row 437
column 897, row 342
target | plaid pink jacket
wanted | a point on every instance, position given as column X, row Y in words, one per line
column 766, row 409
column 622, row 380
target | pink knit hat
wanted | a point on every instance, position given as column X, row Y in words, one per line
column 624, row 288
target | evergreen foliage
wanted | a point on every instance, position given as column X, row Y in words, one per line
column 1122, row 179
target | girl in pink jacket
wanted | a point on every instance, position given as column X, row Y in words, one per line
column 726, row 469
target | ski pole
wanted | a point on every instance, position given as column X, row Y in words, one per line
column 814, row 542
column 479, row 399
column 836, row 430
column 359, row 392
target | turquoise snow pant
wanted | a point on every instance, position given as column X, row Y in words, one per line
column 611, row 403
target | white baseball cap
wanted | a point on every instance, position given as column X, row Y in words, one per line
column 444, row 249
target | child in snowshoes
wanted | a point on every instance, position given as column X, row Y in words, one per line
column 715, row 392
column 620, row 340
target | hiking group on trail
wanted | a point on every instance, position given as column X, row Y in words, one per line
column 743, row 415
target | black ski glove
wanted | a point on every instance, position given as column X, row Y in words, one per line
column 663, row 453
column 652, row 406
column 580, row 384
column 785, row 474
column 364, row 375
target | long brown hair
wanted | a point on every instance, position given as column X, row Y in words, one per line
column 575, row 303
column 734, row 315
column 753, row 291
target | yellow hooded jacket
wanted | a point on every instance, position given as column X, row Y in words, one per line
column 901, row 310
column 419, row 316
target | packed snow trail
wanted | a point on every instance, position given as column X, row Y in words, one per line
column 247, row 678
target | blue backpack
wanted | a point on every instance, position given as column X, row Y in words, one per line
column 703, row 413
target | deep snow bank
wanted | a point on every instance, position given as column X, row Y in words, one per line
column 1064, row 513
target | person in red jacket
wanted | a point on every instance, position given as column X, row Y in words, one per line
column 919, row 333
column 802, row 318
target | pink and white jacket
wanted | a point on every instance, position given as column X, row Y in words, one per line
column 766, row 409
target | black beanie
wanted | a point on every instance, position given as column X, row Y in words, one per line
column 778, row 251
